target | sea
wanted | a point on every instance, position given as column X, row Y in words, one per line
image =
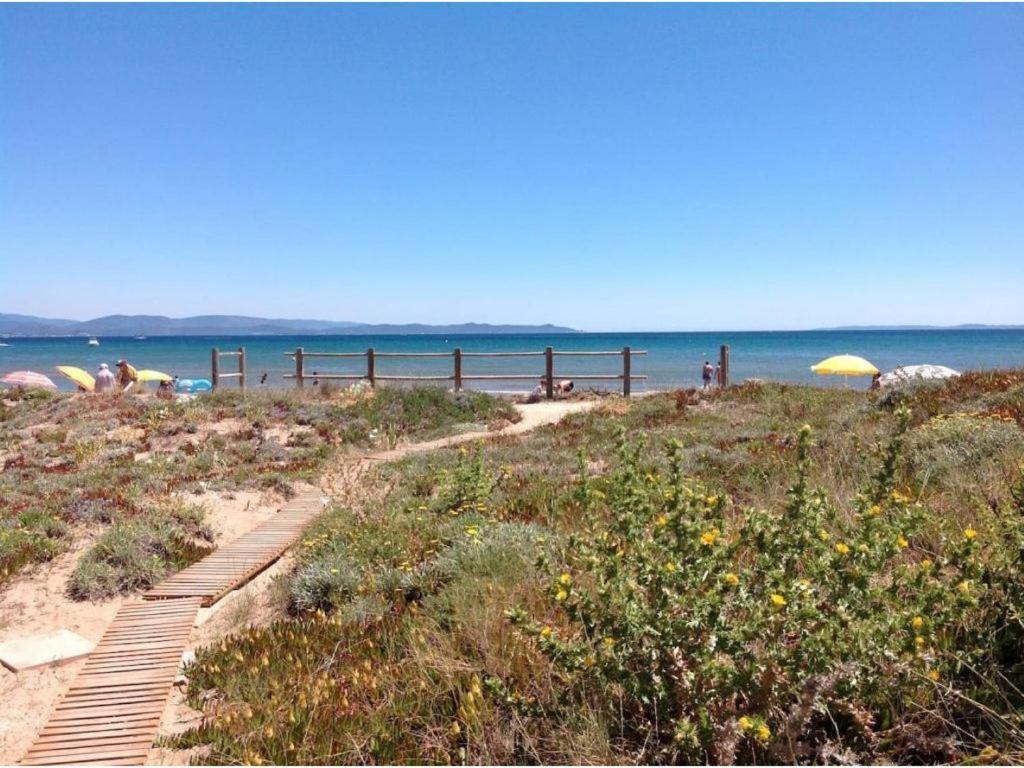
column 672, row 359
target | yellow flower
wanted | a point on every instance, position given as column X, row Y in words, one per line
column 562, row 594
column 546, row 632
column 970, row 534
column 745, row 723
column 662, row 521
column 933, row 675
column 588, row 661
column 842, row 549
column 472, row 530
column 874, row 510
column 919, row 641
column 824, row 535
column 709, row 537
column 670, row 567
column 964, row 586
column 565, row 579
column 917, row 622
column 926, row 563
column 711, row 500
column 763, row 733
column 731, row 579
column 608, row 642
column 778, row 600
column 901, row 542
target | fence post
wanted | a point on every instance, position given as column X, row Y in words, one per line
column 723, row 366
column 626, row 372
column 457, row 354
column 549, row 372
column 298, row 366
column 215, row 367
column 371, row 366
column 241, row 367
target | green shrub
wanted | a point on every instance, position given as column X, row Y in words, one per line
column 137, row 552
column 33, row 536
column 706, row 637
column 324, row 583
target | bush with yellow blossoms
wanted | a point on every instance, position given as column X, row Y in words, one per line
column 710, row 634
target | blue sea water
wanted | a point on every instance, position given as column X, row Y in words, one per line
column 673, row 359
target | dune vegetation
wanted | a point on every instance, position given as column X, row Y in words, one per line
column 119, row 466
column 769, row 574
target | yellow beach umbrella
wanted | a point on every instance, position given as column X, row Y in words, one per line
column 845, row 365
column 78, row 377
column 148, row 375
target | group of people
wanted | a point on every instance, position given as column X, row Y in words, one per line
column 711, row 372
column 127, row 377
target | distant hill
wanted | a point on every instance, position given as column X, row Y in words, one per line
column 237, row 325
column 962, row 327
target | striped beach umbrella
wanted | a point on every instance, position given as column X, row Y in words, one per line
column 28, row 379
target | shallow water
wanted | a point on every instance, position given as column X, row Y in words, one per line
column 673, row 359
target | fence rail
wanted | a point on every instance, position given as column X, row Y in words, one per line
column 458, row 376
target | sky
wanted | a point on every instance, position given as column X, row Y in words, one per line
column 612, row 167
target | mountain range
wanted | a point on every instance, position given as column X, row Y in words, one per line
column 961, row 327
column 238, row 325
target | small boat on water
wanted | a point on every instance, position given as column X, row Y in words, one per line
column 93, row 341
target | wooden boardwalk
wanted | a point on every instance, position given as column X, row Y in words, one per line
column 112, row 710
column 232, row 565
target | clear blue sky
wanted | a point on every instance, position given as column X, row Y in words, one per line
column 603, row 167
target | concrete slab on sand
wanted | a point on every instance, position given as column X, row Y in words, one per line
column 55, row 647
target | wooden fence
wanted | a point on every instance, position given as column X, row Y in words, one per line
column 215, row 372
column 459, row 376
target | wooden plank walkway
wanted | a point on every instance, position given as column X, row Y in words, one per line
column 111, row 711
column 234, row 564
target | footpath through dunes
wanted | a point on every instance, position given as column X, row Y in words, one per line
column 112, row 709
column 117, row 705
column 231, row 566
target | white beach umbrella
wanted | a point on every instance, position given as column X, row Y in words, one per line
column 911, row 373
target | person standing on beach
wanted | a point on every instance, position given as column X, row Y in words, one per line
column 708, row 370
column 105, row 381
column 126, row 375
